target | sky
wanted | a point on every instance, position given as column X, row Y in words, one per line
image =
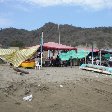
column 33, row 14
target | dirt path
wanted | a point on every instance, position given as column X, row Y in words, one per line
column 82, row 91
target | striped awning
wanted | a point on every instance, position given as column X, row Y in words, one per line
column 6, row 51
column 17, row 57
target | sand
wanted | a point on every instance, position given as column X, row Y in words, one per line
column 56, row 89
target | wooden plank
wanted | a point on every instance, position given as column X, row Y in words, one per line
column 21, row 71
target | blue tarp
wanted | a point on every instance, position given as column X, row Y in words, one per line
column 108, row 69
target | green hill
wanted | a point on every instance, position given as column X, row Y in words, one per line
column 101, row 37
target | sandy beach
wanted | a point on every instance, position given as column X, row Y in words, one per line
column 56, row 89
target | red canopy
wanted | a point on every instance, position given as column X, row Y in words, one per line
column 89, row 49
column 56, row 46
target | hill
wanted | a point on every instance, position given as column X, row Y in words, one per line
column 101, row 37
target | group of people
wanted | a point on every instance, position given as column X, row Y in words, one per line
column 53, row 61
column 57, row 62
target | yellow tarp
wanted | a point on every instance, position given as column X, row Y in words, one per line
column 18, row 56
column 6, row 51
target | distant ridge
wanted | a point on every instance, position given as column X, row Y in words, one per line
column 101, row 37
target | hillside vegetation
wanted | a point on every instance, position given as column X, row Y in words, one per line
column 101, row 37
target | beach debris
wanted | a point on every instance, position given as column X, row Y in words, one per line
column 27, row 91
column 22, row 74
column 96, row 76
column 28, row 98
column 21, row 71
column 38, row 85
column 47, row 74
column 61, row 86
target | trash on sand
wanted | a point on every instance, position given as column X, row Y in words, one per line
column 61, row 85
column 47, row 74
column 39, row 85
column 28, row 98
column 22, row 74
column 96, row 76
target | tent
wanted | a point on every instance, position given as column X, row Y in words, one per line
column 6, row 51
column 19, row 56
column 89, row 49
column 56, row 46
column 77, row 55
column 107, row 56
column 106, row 51
column 82, row 54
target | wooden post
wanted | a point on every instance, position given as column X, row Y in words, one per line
column 100, row 57
column 85, row 54
column 59, row 33
column 92, row 53
column 41, row 48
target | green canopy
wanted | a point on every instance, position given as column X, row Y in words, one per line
column 64, row 56
column 107, row 56
column 82, row 54
column 79, row 54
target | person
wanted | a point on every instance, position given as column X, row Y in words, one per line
column 37, row 63
column 97, row 61
column 71, row 61
column 52, row 61
column 58, row 61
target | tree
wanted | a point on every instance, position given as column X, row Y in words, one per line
column 17, row 44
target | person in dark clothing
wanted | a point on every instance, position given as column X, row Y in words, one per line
column 71, row 61
column 57, row 61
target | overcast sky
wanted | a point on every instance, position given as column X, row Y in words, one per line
column 32, row 14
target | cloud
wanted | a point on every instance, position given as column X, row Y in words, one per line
column 16, row 4
column 1, row 1
column 22, row 8
column 95, row 4
column 4, row 22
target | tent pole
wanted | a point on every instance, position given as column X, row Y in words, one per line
column 85, row 59
column 92, row 53
column 41, row 47
column 48, row 53
column 59, row 33
column 100, row 57
column 85, row 54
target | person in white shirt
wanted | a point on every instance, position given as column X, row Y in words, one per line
column 37, row 63
column 97, row 61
